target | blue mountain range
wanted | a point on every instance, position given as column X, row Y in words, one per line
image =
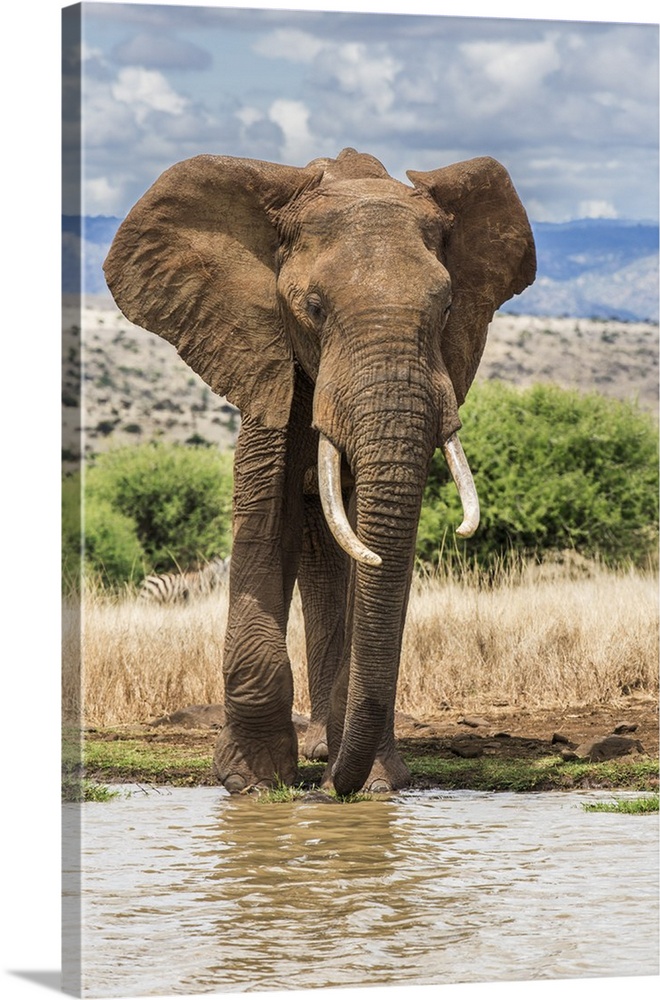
column 600, row 268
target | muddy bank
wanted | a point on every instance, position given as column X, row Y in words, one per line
column 498, row 748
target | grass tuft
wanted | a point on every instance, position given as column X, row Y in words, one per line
column 630, row 807
column 291, row 793
column 84, row 790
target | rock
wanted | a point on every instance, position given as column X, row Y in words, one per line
column 194, row 717
column 404, row 718
column 472, row 722
column 624, row 727
column 560, row 738
column 408, row 726
column 607, row 748
column 318, row 795
column 466, row 746
column 212, row 717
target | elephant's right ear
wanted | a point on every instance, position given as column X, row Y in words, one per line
column 490, row 254
column 194, row 261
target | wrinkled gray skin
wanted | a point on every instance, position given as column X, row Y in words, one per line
column 335, row 299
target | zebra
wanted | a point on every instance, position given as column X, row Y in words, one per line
column 175, row 588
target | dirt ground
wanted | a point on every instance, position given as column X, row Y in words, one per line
column 499, row 731
column 635, row 718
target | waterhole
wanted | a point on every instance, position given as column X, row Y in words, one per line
column 194, row 891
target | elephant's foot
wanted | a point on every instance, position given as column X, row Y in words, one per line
column 244, row 761
column 387, row 774
column 315, row 746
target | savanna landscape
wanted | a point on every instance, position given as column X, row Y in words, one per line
column 535, row 670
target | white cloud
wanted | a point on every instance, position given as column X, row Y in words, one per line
column 540, row 211
column 101, row 197
column 287, row 43
column 249, row 116
column 106, row 122
column 293, row 118
column 596, row 209
column 147, row 90
column 88, row 53
column 623, row 62
column 509, row 65
column 366, row 72
column 569, row 108
column 491, row 77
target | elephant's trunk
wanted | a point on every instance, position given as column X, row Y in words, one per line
column 389, row 430
column 329, row 471
column 388, row 501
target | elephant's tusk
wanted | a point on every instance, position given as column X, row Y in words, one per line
column 333, row 505
column 467, row 491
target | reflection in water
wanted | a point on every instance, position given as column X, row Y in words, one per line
column 189, row 890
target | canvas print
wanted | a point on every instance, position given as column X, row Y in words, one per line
column 360, row 500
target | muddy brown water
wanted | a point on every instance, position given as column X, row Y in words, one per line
column 192, row 891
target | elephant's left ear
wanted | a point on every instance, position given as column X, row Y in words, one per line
column 490, row 254
column 194, row 261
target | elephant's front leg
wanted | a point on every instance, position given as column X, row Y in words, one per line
column 389, row 770
column 258, row 743
column 323, row 582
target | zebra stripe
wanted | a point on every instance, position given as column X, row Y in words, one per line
column 173, row 588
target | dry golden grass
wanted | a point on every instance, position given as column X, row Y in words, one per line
column 525, row 641
column 141, row 661
column 538, row 643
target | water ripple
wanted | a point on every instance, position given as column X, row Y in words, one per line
column 193, row 891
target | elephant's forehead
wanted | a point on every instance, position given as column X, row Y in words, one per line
column 370, row 200
column 384, row 187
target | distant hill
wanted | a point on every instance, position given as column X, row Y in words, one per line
column 135, row 387
column 598, row 268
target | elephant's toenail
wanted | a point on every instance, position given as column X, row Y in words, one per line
column 379, row 786
column 234, row 784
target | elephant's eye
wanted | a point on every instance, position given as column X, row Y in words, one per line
column 315, row 309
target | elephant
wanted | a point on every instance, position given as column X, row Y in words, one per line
column 344, row 312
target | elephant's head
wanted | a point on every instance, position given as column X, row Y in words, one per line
column 383, row 294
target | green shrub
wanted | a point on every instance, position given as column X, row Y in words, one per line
column 178, row 498
column 110, row 552
column 71, row 531
column 554, row 470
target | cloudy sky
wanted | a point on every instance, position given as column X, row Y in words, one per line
column 571, row 108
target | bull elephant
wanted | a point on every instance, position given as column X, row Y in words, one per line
column 344, row 313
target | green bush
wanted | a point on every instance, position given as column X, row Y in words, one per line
column 151, row 508
column 112, row 550
column 179, row 499
column 554, row 470
column 71, row 531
